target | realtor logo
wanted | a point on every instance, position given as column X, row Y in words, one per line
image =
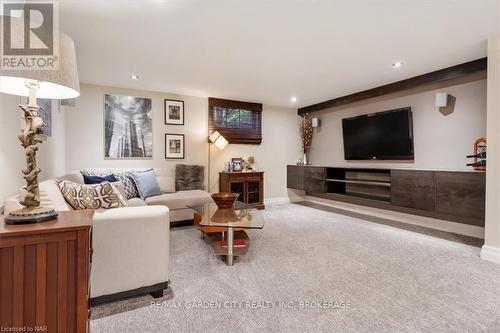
column 29, row 35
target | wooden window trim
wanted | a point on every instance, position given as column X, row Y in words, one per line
column 237, row 135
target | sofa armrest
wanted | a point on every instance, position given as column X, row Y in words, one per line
column 130, row 249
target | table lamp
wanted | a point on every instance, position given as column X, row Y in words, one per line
column 59, row 83
column 220, row 142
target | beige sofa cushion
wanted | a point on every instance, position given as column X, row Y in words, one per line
column 74, row 176
column 166, row 178
column 181, row 199
column 136, row 202
column 50, row 196
column 130, row 249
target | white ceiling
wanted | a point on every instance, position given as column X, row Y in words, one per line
column 269, row 50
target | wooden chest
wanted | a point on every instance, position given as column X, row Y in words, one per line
column 44, row 280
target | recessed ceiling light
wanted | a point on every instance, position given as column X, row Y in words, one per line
column 134, row 76
column 293, row 99
column 397, row 64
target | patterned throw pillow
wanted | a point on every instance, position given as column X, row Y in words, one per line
column 81, row 196
column 123, row 176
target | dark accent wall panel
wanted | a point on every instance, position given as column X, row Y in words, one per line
column 445, row 74
column 457, row 196
column 314, row 179
column 295, row 177
column 413, row 189
column 461, row 194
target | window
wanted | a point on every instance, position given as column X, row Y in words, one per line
column 238, row 122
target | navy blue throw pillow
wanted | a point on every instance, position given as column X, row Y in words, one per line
column 98, row 179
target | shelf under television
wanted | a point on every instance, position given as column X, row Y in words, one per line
column 360, row 196
column 360, row 182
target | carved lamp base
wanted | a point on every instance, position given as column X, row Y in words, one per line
column 30, row 215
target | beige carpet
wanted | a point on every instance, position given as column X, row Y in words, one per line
column 368, row 277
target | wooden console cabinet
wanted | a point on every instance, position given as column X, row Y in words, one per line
column 457, row 196
column 249, row 185
column 44, row 281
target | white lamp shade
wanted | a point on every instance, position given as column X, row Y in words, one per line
column 214, row 136
column 218, row 140
column 60, row 83
column 221, row 142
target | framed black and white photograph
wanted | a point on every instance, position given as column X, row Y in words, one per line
column 174, row 112
column 174, row 146
column 128, row 127
column 45, row 112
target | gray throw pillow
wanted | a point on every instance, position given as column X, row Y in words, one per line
column 146, row 183
column 189, row 177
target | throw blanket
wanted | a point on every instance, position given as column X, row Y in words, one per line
column 189, row 177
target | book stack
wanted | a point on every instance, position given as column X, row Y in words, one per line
column 236, row 243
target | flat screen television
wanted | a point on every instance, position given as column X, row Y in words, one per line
column 385, row 135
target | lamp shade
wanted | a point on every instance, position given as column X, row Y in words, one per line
column 59, row 83
column 218, row 140
column 221, row 142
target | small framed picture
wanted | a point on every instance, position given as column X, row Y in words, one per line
column 44, row 112
column 237, row 164
column 174, row 112
column 174, row 146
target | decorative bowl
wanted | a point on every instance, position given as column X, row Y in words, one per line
column 225, row 215
column 225, row 200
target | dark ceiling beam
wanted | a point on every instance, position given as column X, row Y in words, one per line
column 445, row 74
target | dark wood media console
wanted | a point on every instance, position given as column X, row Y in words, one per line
column 457, row 196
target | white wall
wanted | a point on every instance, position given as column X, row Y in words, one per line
column 85, row 130
column 280, row 146
column 85, row 142
column 491, row 248
column 50, row 156
column 441, row 142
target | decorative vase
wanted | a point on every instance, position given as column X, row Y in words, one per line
column 225, row 200
column 305, row 159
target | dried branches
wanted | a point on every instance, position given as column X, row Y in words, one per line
column 306, row 133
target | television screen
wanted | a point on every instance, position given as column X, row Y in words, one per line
column 380, row 136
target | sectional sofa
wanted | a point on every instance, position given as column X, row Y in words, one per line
column 130, row 244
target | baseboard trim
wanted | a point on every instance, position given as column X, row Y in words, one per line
column 283, row 200
column 276, row 201
column 491, row 253
column 428, row 222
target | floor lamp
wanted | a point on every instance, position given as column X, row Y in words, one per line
column 60, row 82
column 220, row 142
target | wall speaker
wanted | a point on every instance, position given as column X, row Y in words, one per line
column 315, row 122
column 441, row 100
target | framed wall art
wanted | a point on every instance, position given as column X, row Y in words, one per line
column 174, row 146
column 45, row 112
column 174, row 112
column 128, row 127
column 237, row 164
